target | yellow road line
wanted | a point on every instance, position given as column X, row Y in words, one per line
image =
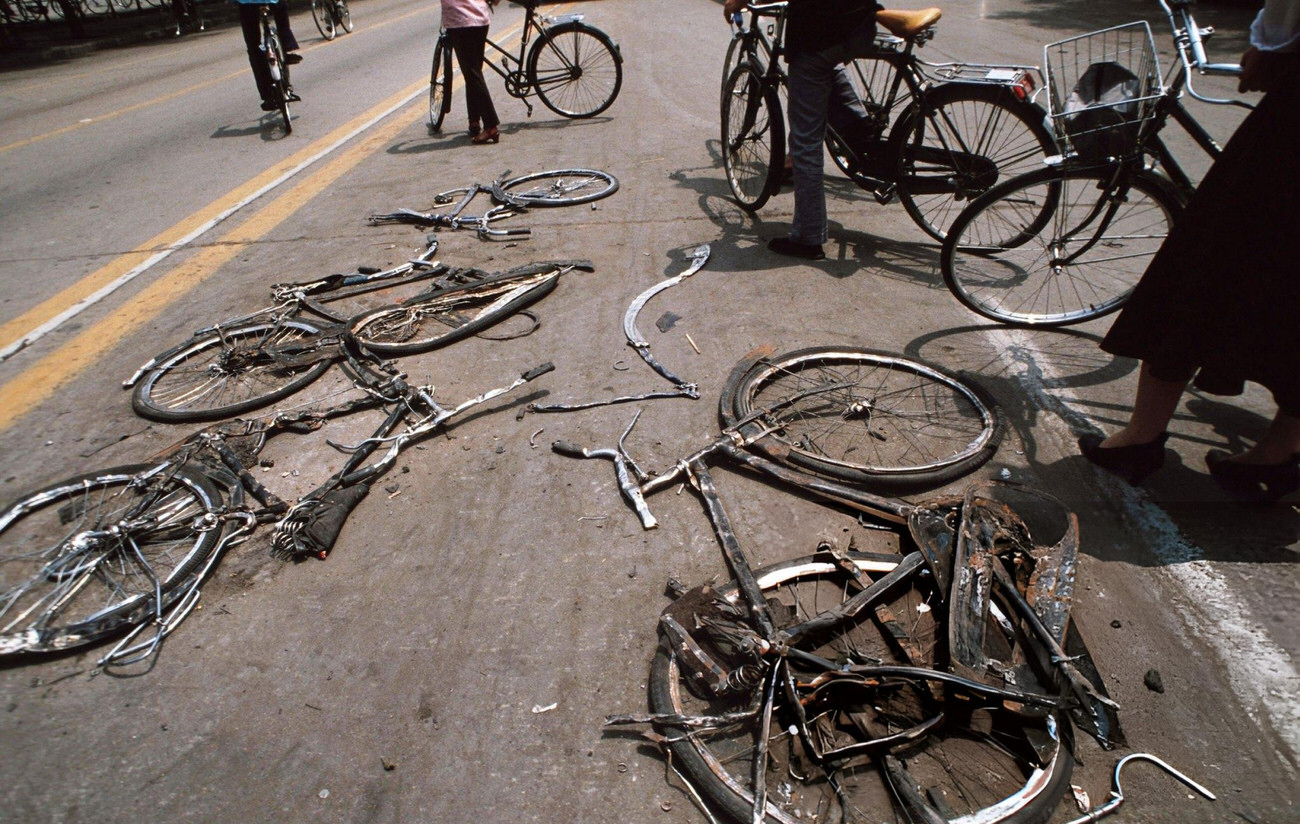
column 135, row 107
column 44, row 378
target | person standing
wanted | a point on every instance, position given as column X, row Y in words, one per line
column 466, row 23
column 1221, row 300
column 820, row 36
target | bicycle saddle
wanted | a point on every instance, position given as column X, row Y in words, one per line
column 905, row 24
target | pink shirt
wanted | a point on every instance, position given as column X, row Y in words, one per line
column 460, row 14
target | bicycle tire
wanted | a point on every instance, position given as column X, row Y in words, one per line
column 753, row 138
column 62, row 585
column 1023, row 281
column 324, row 19
column 998, row 781
column 576, row 70
column 960, row 140
column 439, row 85
column 446, row 315
column 736, row 54
column 558, row 187
column 220, row 375
column 344, row 15
column 888, row 421
column 283, row 88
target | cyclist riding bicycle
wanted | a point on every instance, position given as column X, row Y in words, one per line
column 250, row 21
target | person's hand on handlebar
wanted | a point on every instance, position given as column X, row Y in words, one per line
column 732, row 7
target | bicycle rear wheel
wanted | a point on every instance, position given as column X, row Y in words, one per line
column 227, row 373
column 445, row 315
column 320, row 12
column 280, row 77
column 1016, row 770
column 439, row 85
column 862, row 416
column 753, row 137
column 1055, row 248
column 576, row 69
column 86, row 556
column 958, row 142
column 560, row 187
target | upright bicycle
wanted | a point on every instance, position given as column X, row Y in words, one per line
column 574, row 68
column 331, row 16
column 937, row 135
column 276, row 67
column 1067, row 243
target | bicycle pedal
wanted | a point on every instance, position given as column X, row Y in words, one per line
column 885, row 193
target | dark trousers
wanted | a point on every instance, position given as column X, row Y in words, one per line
column 469, row 43
column 250, row 20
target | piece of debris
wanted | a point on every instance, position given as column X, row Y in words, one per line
column 532, row 439
column 622, row 768
column 1081, row 799
column 538, row 709
column 666, row 806
column 1153, row 681
column 323, row 794
column 388, row 766
column 500, row 450
column 392, row 487
column 691, row 341
column 1115, row 624
column 667, row 321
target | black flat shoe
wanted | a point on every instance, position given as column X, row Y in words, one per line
column 1132, row 463
column 1254, row 483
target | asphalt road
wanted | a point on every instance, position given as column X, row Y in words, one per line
column 494, row 578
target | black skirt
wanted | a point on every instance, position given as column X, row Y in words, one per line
column 1222, row 295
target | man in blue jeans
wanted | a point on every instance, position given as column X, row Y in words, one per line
column 820, row 36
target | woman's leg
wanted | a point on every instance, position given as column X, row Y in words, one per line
column 469, row 44
column 250, row 20
column 1153, row 408
column 1281, row 443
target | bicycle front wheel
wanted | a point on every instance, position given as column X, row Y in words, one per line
column 439, row 86
column 753, row 137
column 230, row 372
column 559, row 187
column 87, row 556
column 343, row 15
column 576, row 70
column 862, row 416
column 445, row 315
column 960, row 140
column 320, row 12
column 988, row 776
column 1055, row 248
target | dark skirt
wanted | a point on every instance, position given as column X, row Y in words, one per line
column 1222, row 295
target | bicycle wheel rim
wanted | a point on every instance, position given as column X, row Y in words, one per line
column 324, row 20
column 439, row 87
column 448, row 315
column 70, row 572
column 1047, row 276
column 968, row 139
column 719, row 759
column 753, row 138
column 217, row 376
column 866, row 416
column 345, row 16
column 560, row 187
column 576, row 70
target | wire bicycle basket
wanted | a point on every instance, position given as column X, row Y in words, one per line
column 1102, row 86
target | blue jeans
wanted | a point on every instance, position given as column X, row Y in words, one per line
column 820, row 88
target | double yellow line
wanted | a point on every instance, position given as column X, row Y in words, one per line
column 43, row 379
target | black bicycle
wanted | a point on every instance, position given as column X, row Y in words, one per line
column 936, row 135
column 276, row 67
column 574, row 68
column 331, row 16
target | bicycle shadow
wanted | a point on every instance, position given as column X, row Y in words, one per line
column 268, row 126
column 1037, row 375
column 455, row 138
column 742, row 247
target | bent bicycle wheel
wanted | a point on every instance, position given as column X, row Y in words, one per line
column 230, row 372
column 559, row 187
column 959, row 141
column 1056, row 248
column 86, row 556
column 992, row 766
column 753, row 137
column 864, row 416
column 445, row 315
column 576, row 69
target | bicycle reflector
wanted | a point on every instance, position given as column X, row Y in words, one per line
column 1024, row 87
